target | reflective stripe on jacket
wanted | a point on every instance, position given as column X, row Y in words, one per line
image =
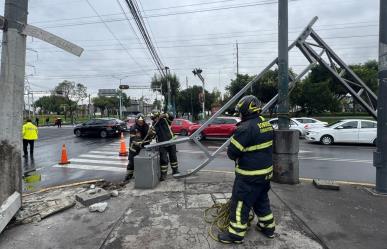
column 251, row 147
column 30, row 131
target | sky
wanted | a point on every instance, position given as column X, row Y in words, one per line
column 188, row 34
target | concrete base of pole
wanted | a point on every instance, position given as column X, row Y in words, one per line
column 381, row 176
column 285, row 157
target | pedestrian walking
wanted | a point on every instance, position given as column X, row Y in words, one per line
column 139, row 137
column 47, row 121
column 30, row 134
column 251, row 148
column 162, row 125
column 59, row 122
column 37, row 121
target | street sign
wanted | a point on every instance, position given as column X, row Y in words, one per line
column 124, row 87
column 52, row 39
column 107, row 92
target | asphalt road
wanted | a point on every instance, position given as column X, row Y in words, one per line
column 95, row 158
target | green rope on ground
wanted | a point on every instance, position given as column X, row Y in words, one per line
column 218, row 216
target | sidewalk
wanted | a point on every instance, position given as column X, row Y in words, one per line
column 171, row 216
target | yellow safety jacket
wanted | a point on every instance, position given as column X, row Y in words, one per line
column 30, row 131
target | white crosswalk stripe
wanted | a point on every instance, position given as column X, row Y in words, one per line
column 103, row 162
column 90, row 167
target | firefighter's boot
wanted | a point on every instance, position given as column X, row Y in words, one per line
column 175, row 171
column 227, row 238
column 163, row 177
column 268, row 232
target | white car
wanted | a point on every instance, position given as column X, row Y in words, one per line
column 345, row 131
column 293, row 125
column 311, row 123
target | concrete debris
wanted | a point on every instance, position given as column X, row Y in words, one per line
column 92, row 186
column 100, row 207
column 36, row 211
column 92, row 196
column 326, row 184
column 114, row 193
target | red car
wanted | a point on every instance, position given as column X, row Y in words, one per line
column 221, row 127
column 181, row 126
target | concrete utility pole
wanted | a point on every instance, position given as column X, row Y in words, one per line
column 286, row 142
column 13, row 58
column 380, row 156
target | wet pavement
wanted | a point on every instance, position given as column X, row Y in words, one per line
column 96, row 158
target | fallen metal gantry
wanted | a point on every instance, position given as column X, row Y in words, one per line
column 314, row 49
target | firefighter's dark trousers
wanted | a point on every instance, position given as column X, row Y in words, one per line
column 164, row 153
column 246, row 195
column 132, row 153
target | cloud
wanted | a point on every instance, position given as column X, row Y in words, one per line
column 185, row 40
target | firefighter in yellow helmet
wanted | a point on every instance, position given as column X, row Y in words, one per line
column 251, row 149
column 30, row 134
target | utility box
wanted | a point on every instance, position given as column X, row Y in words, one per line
column 146, row 170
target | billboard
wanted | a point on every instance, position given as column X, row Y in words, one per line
column 107, row 92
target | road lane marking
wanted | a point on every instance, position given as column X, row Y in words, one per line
column 90, row 167
column 103, row 152
column 80, row 160
column 336, row 159
column 118, row 158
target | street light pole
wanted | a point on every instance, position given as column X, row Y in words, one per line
column 169, row 89
column 120, row 101
column 283, row 57
column 286, row 142
column 380, row 155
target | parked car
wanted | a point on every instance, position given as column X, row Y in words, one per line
column 221, row 127
column 181, row 126
column 102, row 127
column 130, row 120
column 293, row 125
column 310, row 123
column 345, row 131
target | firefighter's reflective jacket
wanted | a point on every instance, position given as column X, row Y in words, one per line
column 143, row 132
column 30, row 131
column 251, row 148
column 163, row 128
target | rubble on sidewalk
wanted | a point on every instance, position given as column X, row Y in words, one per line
column 100, row 207
column 44, row 203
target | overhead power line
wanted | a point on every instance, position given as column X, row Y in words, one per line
column 133, row 7
column 114, row 35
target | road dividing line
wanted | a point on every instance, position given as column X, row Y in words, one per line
column 90, row 167
column 104, row 162
column 336, row 159
column 103, row 152
column 117, row 158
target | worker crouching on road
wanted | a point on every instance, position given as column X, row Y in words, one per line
column 30, row 134
column 139, row 137
column 251, row 149
column 162, row 125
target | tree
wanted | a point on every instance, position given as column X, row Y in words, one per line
column 160, row 82
column 188, row 101
column 50, row 103
column 314, row 97
column 72, row 93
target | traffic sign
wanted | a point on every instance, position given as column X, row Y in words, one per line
column 52, row 39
